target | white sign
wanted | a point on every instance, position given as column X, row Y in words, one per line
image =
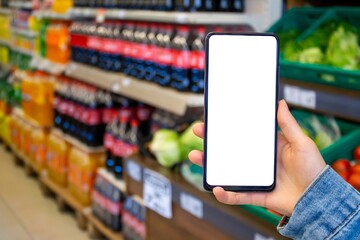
column 191, row 205
column 300, row 96
column 157, row 193
column 134, row 170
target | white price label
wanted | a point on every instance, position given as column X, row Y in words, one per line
column 191, row 205
column 157, row 193
column 134, row 170
column 100, row 15
column 300, row 96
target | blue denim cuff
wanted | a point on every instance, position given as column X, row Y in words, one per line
column 322, row 209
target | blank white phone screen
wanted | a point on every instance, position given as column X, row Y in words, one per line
column 241, row 95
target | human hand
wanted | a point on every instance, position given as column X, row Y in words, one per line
column 299, row 162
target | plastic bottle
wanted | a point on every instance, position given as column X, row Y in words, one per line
column 38, row 147
column 198, row 61
column 150, row 56
column 139, row 51
column 57, row 159
column 180, row 71
column 164, row 55
column 82, row 168
column 116, row 209
column 128, row 37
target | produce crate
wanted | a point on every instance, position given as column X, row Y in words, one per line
column 342, row 148
column 324, row 74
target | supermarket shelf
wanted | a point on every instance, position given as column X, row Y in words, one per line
column 21, row 4
column 108, row 233
column 24, row 32
column 22, row 50
column 342, row 103
column 230, row 220
column 120, row 184
column 77, row 143
column 47, row 65
column 150, row 93
column 46, row 14
column 5, row 42
column 26, row 160
column 260, row 14
column 64, row 193
column 5, row 11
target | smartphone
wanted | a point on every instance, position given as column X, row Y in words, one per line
column 241, row 96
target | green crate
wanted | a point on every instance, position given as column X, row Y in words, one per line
column 342, row 148
column 324, row 74
column 298, row 19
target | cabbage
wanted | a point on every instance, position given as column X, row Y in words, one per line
column 311, row 55
column 189, row 141
column 166, row 147
column 343, row 50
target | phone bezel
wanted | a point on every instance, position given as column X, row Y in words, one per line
column 207, row 186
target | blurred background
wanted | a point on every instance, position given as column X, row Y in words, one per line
column 98, row 97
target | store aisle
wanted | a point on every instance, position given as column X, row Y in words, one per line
column 25, row 214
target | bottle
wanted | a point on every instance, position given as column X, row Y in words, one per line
column 139, row 50
column 127, row 218
column 128, row 37
column 143, row 114
column 164, row 5
column 196, row 5
column 105, row 59
column 131, row 141
column 198, row 61
column 116, row 209
column 164, row 55
column 210, row 5
column 108, row 194
column 225, row 5
column 150, row 56
column 180, row 72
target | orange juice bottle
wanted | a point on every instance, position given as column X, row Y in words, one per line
column 82, row 171
column 62, row 6
column 28, row 90
column 25, row 137
column 57, row 43
column 15, row 131
column 43, row 111
column 56, row 159
column 38, row 148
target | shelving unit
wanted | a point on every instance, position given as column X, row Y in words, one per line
column 30, row 167
column 5, row 11
column 150, row 93
column 259, row 14
column 46, row 14
column 46, row 65
column 21, row 4
column 77, row 143
column 343, row 103
column 5, row 42
column 99, row 226
column 24, row 32
column 222, row 221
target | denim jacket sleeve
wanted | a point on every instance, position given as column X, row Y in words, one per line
column 328, row 209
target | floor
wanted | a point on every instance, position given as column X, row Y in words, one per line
column 25, row 214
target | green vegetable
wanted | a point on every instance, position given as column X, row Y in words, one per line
column 343, row 50
column 312, row 55
column 166, row 147
column 189, row 141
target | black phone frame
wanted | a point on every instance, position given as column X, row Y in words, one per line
column 207, row 186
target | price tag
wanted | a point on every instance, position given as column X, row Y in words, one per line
column 300, row 96
column 157, row 193
column 191, row 205
column 134, row 170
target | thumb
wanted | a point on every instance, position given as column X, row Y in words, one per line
column 288, row 125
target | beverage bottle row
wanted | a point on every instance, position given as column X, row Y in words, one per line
column 83, row 111
column 167, row 5
column 161, row 53
column 107, row 203
column 126, row 134
column 133, row 220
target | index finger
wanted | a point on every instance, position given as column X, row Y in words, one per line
column 198, row 130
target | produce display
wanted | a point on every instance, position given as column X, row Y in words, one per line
column 323, row 130
column 349, row 169
column 334, row 43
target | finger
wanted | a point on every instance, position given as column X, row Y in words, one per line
column 233, row 198
column 198, row 129
column 281, row 141
column 196, row 157
column 290, row 128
